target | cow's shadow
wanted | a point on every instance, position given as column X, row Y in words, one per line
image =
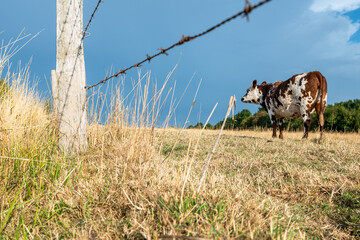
column 316, row 140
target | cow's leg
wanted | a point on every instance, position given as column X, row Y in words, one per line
column 320, row 115
column 281, row 122
column 307, row 122
column 273, row 121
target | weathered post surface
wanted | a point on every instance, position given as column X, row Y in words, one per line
column 69, row 79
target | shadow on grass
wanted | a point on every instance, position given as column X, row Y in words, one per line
column 346, row 212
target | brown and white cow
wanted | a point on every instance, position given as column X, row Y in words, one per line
column 294, row 98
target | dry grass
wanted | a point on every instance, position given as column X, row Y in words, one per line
column 138, row 182
column 125, row 187
column 297, row 187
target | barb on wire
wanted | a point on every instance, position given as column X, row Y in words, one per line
column 184, row 39
column 91, row 18
column 247, row 9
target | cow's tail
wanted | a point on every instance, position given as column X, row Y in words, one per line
column 322, row 89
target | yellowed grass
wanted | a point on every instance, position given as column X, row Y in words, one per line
column 291, row 180
column 130, row 185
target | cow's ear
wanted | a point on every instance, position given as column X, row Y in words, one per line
column 263, row 83
column 254, row 84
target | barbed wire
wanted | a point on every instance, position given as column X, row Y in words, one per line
column 91, row 18
column 184, row 39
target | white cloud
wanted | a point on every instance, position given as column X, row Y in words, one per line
column 334, row 5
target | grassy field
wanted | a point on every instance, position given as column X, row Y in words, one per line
column 281, row 189
column 133, row 183
column 137, row 182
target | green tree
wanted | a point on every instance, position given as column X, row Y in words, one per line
column 209, row 126
column 241, row 116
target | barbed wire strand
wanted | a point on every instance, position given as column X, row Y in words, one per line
column 184, row 39
column 90, row 20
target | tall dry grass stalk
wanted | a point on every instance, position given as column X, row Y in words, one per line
column 230, row 107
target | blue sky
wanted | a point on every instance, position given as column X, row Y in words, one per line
column 281, row 39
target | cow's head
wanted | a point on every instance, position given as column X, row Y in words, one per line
column 253, row 94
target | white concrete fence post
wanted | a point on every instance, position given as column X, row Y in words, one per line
column 69, row 80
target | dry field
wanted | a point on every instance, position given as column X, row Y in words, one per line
column 276, row 188
column 135, row 184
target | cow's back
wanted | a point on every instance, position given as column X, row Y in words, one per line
column 309, row 88
column 289, row 98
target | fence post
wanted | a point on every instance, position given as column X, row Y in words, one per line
column 69, row 79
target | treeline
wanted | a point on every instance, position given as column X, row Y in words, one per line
column 342, row 117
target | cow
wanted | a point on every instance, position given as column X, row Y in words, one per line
column 296, row 97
